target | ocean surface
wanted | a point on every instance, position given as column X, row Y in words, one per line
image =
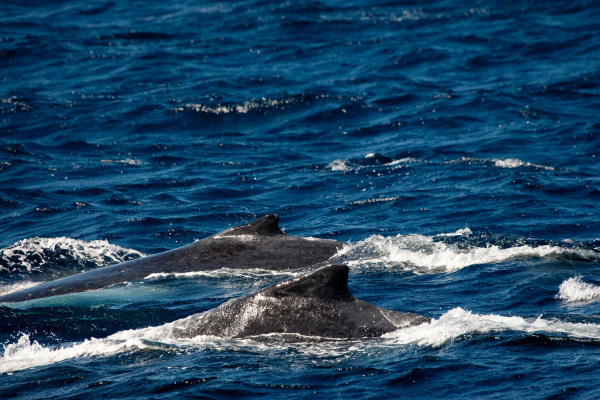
column 454, row 147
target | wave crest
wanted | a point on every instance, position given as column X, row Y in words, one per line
column 575, row 290
column 458, row 322
column 450, row 326
column 243, row 108
column 447, row 252
column 40, row 255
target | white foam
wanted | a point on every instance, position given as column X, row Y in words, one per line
column 28, row 354
column 377, row 200
column 128, row 161
column 99, row 252
column 466, row 231
column 405, row 160
column 575, row 290
column 509, row 163
column 237, row 108
column 408, row 15
column 339, row 165
column 516, row 163
column 458, row 322
column 454, row 324
column 421, row 254
column 347, row 165
column 228, row 273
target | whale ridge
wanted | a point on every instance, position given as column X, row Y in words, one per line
column 330, row 283
column 267, row 225
column 259, row 244
column 316, row 304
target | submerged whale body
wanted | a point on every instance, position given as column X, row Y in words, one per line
column 317, row 304
column 259, row 244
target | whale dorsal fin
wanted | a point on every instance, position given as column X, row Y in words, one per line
column 267, row 226
column 329, row 283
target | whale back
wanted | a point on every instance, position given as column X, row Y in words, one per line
column 327, row 284
column 264, row 226
column 317, row 304
column 258, row 245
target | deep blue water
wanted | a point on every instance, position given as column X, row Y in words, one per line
column 454, row 146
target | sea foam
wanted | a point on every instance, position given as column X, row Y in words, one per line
column 575, row 290
column 453, row 324
column 424, row 254
column 458, row 322
column 32, row 254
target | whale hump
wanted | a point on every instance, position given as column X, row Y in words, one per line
column 327, row 283
column 259, row 244
column 316, row 304
column 264, row 226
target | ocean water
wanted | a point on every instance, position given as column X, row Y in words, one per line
column 453, row 147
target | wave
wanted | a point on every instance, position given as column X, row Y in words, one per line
column 375, row 159
column 574, row 290
column 128, row 161
column 516, row 163
column 243, row 108
column 26, row 354
column 254, row 274
column 452, row 325
column 443, row 253
column 459, row 322
column 370, row 160
column 40, row 255
column 14, row 105
column 507, row 163
column 50, row 258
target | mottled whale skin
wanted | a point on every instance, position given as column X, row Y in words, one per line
column 259, row 244
column 316, row 304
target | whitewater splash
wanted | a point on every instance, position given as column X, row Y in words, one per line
column 369, row 161
column 253, row 273
column 458, row 322
column 346, row 165
column 574, row 290
column 33, row 254
column 512, row 163
column 247, row 106
column 425, row 254
column 29, row 354
column 453, row 324
column 412, row 253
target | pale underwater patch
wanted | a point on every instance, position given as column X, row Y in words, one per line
column 15, row 287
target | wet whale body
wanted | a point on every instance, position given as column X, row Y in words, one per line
column 316, row 304
column 259, row 244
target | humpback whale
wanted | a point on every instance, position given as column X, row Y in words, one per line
column 259, row 244
column 316, row 304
